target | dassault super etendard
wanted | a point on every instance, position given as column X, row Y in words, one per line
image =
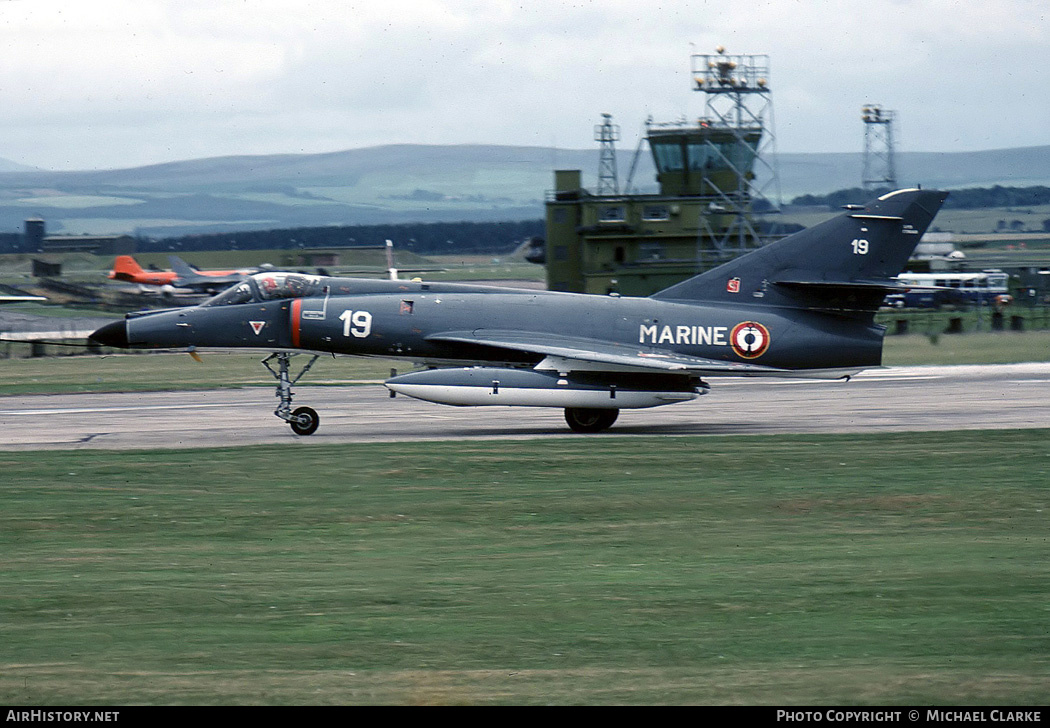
column 803, row 306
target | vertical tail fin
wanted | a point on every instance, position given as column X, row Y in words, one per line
column 125, row 268
column 182, row 269
column 845, row 264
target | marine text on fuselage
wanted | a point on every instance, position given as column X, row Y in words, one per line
column 683, row 335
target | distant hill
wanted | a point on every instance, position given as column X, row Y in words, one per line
column 389, row 184
column 406, row 183
column 6, row 165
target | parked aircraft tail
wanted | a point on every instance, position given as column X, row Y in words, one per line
column 845, row 264
column 125, row 268
column 182, row 269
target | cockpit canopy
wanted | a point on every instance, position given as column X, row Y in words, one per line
column 268, row 287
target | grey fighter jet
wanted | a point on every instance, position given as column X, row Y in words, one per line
column 803, row 306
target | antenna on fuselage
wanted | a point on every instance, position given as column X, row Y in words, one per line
column 390, row 260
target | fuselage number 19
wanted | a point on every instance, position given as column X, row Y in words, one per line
column 356, row 323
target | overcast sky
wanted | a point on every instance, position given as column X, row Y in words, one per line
column 116, row 83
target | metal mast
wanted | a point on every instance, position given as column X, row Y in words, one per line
column 607, row 134
column 739, row 112
column 880, row 166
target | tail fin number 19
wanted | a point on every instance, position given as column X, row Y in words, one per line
column 860, row 246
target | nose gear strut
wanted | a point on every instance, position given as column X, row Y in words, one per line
column 303, row 420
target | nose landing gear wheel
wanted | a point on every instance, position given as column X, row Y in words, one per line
column 582, row 419
column 304, row 421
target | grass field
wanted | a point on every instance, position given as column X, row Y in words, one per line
column 888, row 569
column 161, row 372
column 987, row 220
column 14, row 268
column 977, row 348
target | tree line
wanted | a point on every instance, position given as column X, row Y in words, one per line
column 971, row 198
column 422, row 238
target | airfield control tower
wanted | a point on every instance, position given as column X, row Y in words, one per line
column 713, row 177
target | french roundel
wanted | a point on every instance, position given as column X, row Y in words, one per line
column 749, row 339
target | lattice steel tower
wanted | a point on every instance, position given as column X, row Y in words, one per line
column 880, row 165
column 739, row 170
column 607, row 134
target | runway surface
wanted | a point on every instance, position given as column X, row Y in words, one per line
column 904, row 399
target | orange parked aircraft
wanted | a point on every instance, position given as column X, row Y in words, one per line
column 126, row 268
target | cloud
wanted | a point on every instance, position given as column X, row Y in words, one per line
column 121, row 82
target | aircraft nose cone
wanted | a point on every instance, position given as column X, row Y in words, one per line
column 112, row 334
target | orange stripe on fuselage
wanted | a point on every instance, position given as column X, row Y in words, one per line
column 297, row 310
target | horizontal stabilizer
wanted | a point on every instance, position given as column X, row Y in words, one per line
column 874, row 286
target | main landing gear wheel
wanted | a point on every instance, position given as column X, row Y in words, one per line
column 304, row 421
column 582, row 419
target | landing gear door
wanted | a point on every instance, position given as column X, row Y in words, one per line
column 316, row 308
